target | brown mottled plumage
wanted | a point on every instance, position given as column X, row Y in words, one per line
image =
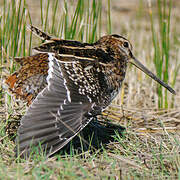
column 30, row 78
column 68, row 83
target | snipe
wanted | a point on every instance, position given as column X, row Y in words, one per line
column 68, row 83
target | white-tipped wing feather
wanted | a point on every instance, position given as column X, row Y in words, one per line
column 52, row 120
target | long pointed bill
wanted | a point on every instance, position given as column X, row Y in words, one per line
column 140, row 66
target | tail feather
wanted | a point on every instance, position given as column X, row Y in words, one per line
column 44, row 36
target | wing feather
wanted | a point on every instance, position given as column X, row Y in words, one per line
column 52, row 120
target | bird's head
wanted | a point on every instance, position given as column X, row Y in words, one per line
column 121, row 50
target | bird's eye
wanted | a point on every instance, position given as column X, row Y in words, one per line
column 126, row 44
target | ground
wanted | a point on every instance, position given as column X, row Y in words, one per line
column 149, row 147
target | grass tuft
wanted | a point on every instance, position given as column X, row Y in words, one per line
column 161, row 42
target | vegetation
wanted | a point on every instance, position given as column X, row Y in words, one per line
column 150, row 146
column 161, row 43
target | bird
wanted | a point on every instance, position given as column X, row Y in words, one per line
column 67, row 83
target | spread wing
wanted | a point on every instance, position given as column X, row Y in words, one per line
column 53, row 119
